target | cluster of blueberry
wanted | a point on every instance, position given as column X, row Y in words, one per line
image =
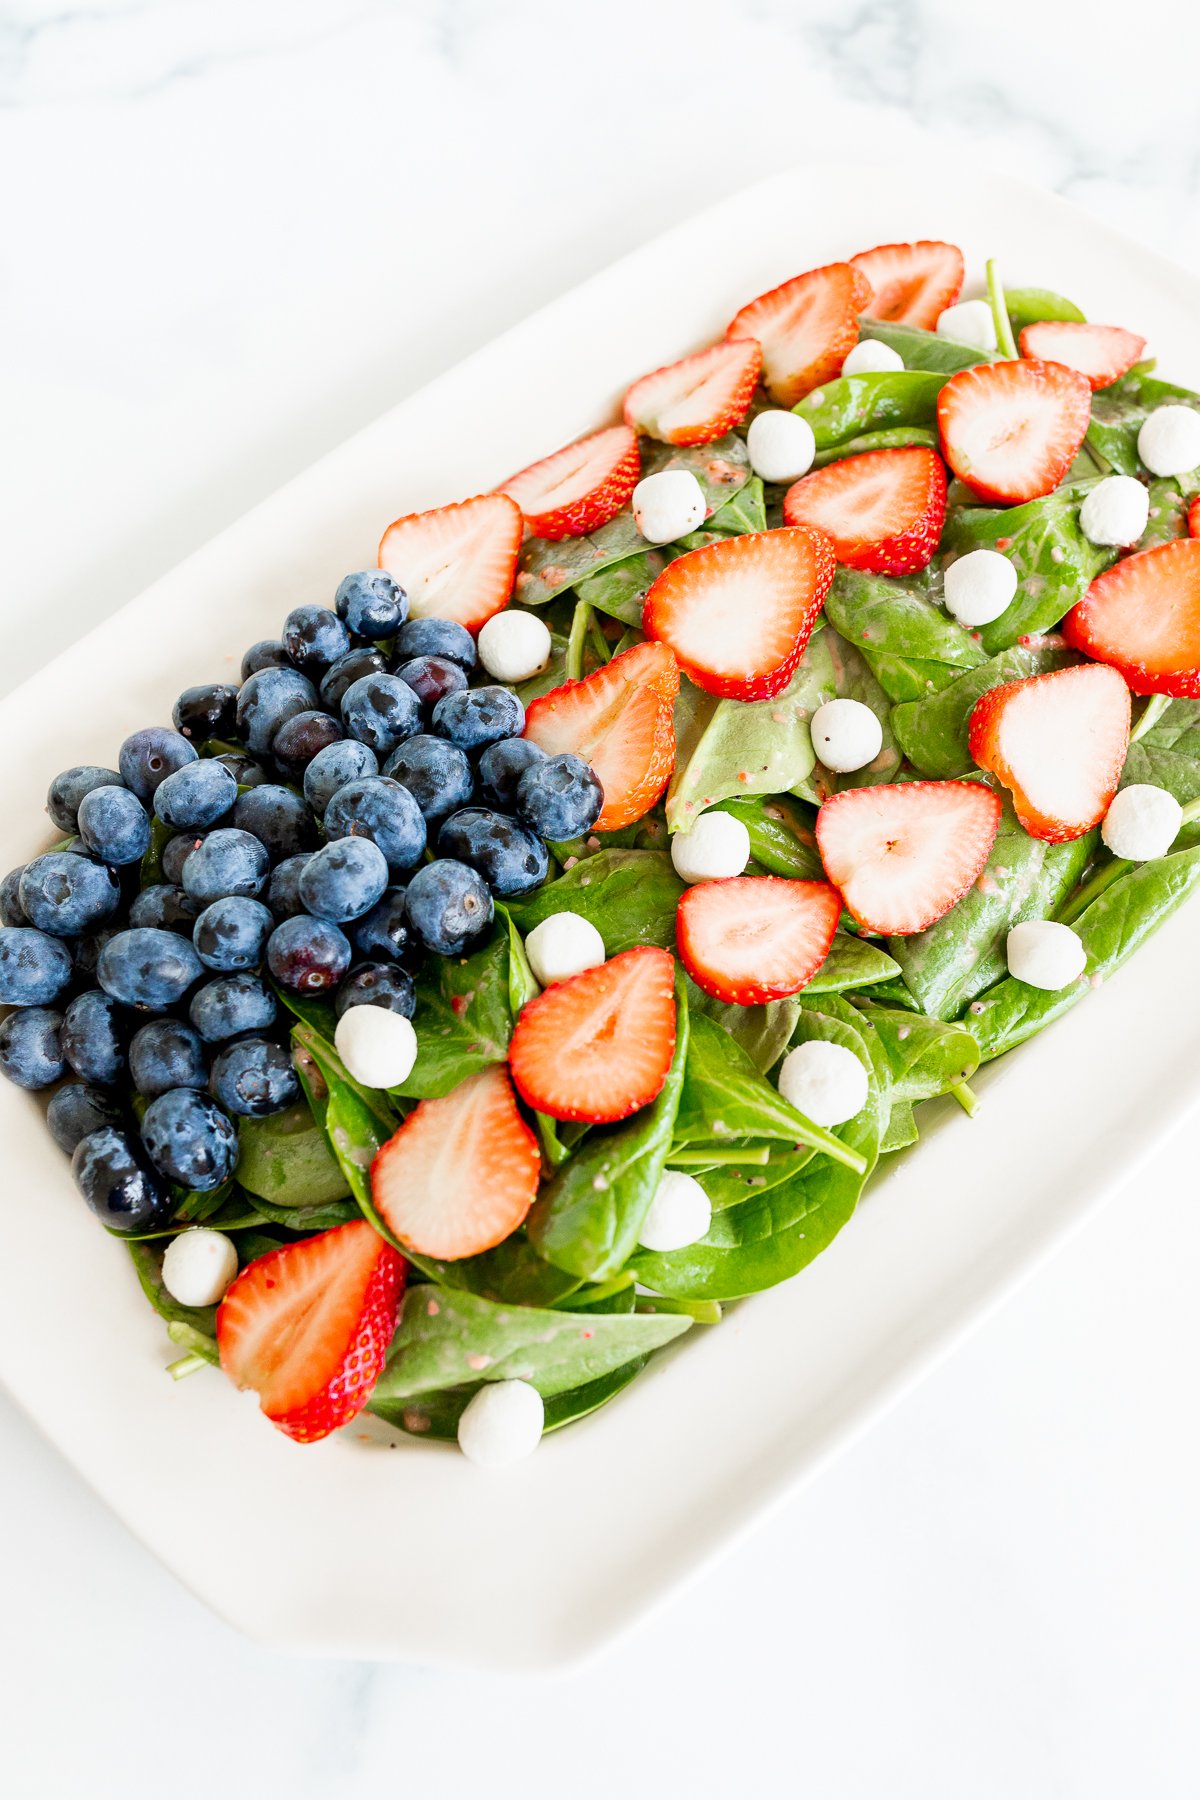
column 327, row 836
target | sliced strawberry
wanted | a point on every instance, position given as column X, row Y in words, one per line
column 308, row 1325
column 1058, row 743
column 882, row 511
column 1194, row 518
column 902, row 855
column 621, row 720
column 1101, row 352
column 580, row 487
column 597, row 1046
column 457, row 562
column 807, row 327
column 700, row 398
column 1142, row 617
column 1010, row 430
column 755, row 938
column 912, row 283
column 460, row 1174
column 738, row 612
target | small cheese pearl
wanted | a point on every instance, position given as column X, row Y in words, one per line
column 970, row 322
column 199, row 1266
column 979, row 587
column 781, row 446
column 378, row 1046
column 1142, row 822
column 680, row 1213
column 870, row 357
column 846, row 735
column 563, row 945
column 1044, row 954
column 1115, row 512
column 1169, row 441
column 668, row 505
column 514, row 645
column 826, row 1082
column 717, row 846
column 502, row 1424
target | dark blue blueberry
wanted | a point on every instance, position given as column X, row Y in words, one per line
column 176, row 851
column 87, row 950
column 148, row 967
column 11, row 910
column 76, row 1110
column 231, row 1006
column 253, row 1078
column 193, row 798
column 380, row 809
column 431, row 678
column 266, row 701
column 31, row 1047
column 501, row 767
column 314, row 638
column 511, row 858
column 279, row 818
column 309, row 956
column 479, row 716
column 436, row 637
column 166, row 1054
column 93, row 1037
column 372, row 603
column 114, row 825
column 189, row 1139
column 302, row 738
column 232, row 934
column 333, row 767
column 164, row 907
column 112, row 1177
column 378, row 984
column 437, row 774
column 283, row 889
column 149, row 756
column 267, row 653
column 34, row 968
column 381, row 710
column 68, row 789
column 65, row 893
column 344, row 880
column 227, row 862
column 209, row 711
column 348, row 669
column 245, row 771
column 560, row 798
column 383, row 933
column 449, row 907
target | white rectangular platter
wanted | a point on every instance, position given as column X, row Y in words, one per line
column 348, row 1548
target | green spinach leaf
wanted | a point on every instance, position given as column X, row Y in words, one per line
column 463, row 1018
column 924, row 349
column 763, row 1032
column 854, row 404
column 853, row 962
column 285, row 1159
column 1120, row 411
column 781, row 840
column 899, row 437
column 1030, row 305
column 630, row 897
column 1168, row 755
column 912, row 646
column 926, row 1057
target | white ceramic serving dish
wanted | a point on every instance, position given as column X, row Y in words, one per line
column 350, row 1549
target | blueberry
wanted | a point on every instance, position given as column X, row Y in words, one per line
column 166, row 1054
column 448, row 906
column 76, row 1110
column 114, row 825
column 436, row 637
column 31, row 1047
column 149, row 756
column 279, row 818
column 378, row 984
column 309, row 956
column 267, row 653
column 148, row 967
column 65, row 893
column 314, row 637
column 479, row 716
column 333, row 767
column 431, row 678
column 11, row 910
column 232, row 934
column 381, row 710
column 231, row 1006
column 176, row 851
column 253, row 1078
column 501, row 767
column 93, row 1037
column 511, row 858
column 164, row 907
column 189, row 1139
column 195, row 797
column 34, row 968
column 68, row 789
column 283, row 889
column 245, row 771
column 372, row 603
column 113, row 1179
column 561, row 797
column 266, row 701
column 344, row 880
column 206, row 712
column 227, row 862
column 383, row 933
column 437, row 774
column 380, row 809
column 300, row 739
column 347, row 670
column 88, row 948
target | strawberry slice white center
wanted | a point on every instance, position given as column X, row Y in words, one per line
column 571, row 474
column 1054, row 739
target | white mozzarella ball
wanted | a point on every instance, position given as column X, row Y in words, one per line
column 1169, row 441
column 198, row 1266
column 970, row 322
column 1142, row 822
column 781, row 446
column 717, row 846
column 1045, row 954
column 846, row 735
column 1115, row 511
column 378, row 1046
column 826, row 1082
column 563, row 945
column 668, row 505
column 502, row 1424
column 870, row 357
column 680, row 1213
column 979, row 587
column 514, row 645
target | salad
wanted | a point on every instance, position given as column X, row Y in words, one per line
column 545, row 942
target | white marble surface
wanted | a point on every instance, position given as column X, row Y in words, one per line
column 231, row 233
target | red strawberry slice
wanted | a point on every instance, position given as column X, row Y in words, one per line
column 912, row 283
column 1101, row 352
column 580, row 487
column 1194, row 518
column 460, row 1174
column 307, row 1327
column 456, row 562
column 1142, row 617
column 807, row 327
column 700, row 398
column 1010, row 430
column 882, row 511
column 1058, row 743
column 738, row 612
column 902, row 855
column 621, row 721
column 756, row 938
column 597, row 1046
